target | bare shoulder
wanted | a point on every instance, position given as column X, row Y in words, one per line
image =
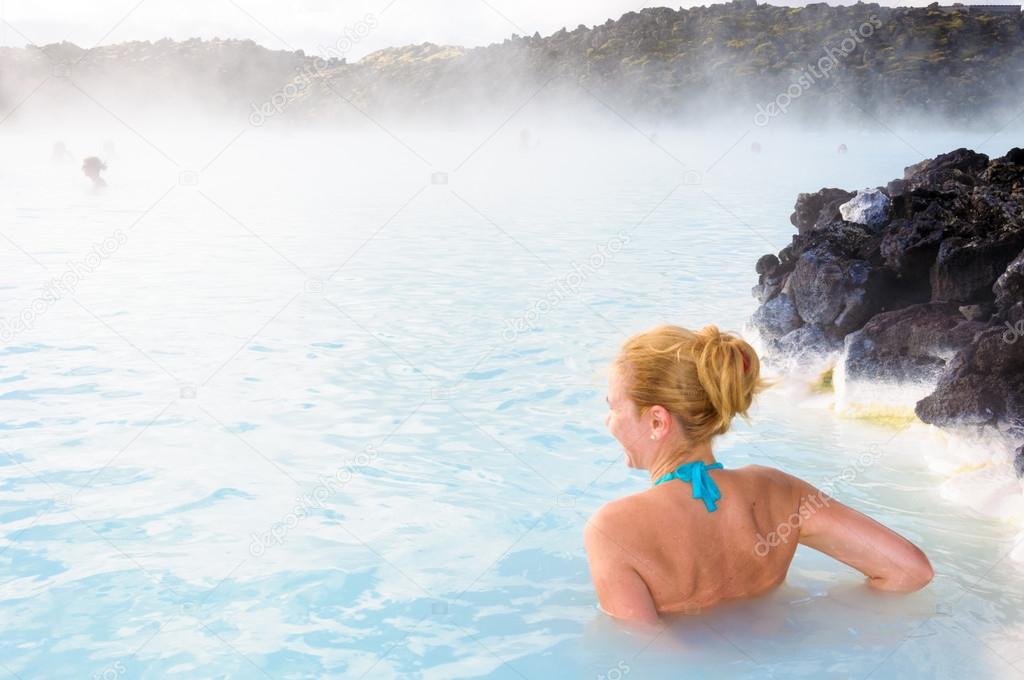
column 619, row 513
column 764, row 470
column 621, row 590
column 770, row 474
column 621, row 521
column 783, row 488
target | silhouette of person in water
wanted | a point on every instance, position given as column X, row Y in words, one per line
column 92, row 167
column 527, row 141
column 842, row 149
column 60, row 153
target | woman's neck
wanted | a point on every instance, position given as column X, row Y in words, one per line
column 678, row 454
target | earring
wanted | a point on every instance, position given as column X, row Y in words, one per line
column 652, row 436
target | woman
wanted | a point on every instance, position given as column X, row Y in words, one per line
column 703, row 534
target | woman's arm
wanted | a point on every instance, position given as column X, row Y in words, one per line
column 890, row 561
column 621, row 591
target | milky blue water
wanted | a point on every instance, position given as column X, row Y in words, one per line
column 317, row 411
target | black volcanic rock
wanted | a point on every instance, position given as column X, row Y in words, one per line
column 984, row 384
column 946, row 172
column 911, row 243
column 935, row 297
column 831, row 290
column 767, row 265
column 1009, row 292
column 814, row 211
column 819, row 285
column 912, row 344
column 777, row 317
column 965, row 269
column 976, row 312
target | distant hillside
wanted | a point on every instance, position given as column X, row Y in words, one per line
column 855, row 61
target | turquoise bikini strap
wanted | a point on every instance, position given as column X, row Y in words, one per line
column 696, row 473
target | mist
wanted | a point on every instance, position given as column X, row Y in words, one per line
column 309, row 313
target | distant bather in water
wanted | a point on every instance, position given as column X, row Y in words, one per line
column 703, row 534
column 60, row 153
column 92, row 167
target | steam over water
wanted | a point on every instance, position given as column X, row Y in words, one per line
column 311, row 408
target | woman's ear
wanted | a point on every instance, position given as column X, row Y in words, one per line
column 659, row 420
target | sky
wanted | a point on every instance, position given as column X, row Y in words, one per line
column 350, row 28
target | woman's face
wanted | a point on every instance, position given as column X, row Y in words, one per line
column 625, row 424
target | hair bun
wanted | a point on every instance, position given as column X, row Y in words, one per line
column 729, row 371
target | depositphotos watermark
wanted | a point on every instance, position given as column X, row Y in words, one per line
column 810, row 505
column 306, row 74
column 616, row 672
column 809, row 75
column 111, row 672
column 305, row 504
column 1013, row 332
column 61, row 286
column 565, row 286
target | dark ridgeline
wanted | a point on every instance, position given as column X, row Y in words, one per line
column 931, row 291
column 949, row 61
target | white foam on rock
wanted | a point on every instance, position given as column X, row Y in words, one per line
column 799, row 372
column 976, row 462
column 992, row 491
column 978, row 466
column 873, row 398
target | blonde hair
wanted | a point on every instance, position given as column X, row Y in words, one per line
column 704, row 378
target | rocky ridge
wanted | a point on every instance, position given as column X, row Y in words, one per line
column 850, row 62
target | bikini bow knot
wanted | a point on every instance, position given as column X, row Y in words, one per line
column 696, row 473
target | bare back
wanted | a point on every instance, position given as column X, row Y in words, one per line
column 691, row 558
column 687, row 558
